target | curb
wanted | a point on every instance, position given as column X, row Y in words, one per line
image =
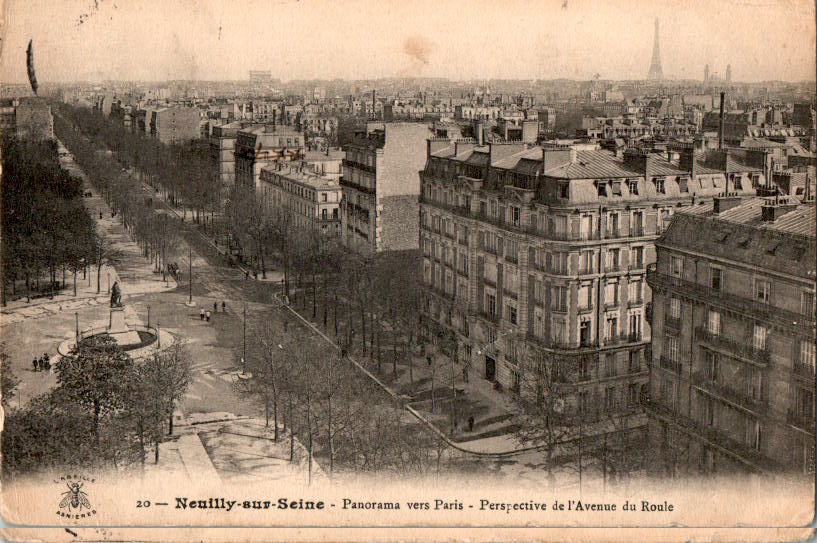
column 411, row 410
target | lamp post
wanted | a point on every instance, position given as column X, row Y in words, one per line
column 109, row 282
column 148, row 316
column 190, row 272
column 244, row 358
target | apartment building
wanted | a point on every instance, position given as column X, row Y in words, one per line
column 256, row 148
column 733, row 344
column 545, row 249
column 222, row 149
column 310, row 200
column 380, row 187
column 175, row 124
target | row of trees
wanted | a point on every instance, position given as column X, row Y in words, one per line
column 45, row 226
column 106, row 411
column 155, row 233
column 184, row 171
column 309, row 390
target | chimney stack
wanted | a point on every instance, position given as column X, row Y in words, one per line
column 720, row 124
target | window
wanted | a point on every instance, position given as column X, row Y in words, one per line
column 677, row 266
column 586, row 262
column 713, row 363
column 636, row 291
column 715, row 278
column 559, row 298
column 807, row 304
column 511, row 311
column 635, row 327
column 714, row 323
column 559, row 331
column 611, row 294
column 490, row 303
column 755, row 434
column 515, row 215
column 632, row 184
column 709, row 411
column 613, row 259
column 675, row 308
column 637, row 258
column 610, row 398
column 612, row 225
column 759, row 338
column 807, row 355
column 564, row 191
column 585, row 296
column 762, row 291
column 659, row 185
column 671, row 348
column 585, row 333
column 611, row 327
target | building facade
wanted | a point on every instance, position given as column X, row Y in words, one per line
column 545, row 250
column 312, row 201
column 175, row 124
column 256, row 148
column 733, row 352
column 380, row 187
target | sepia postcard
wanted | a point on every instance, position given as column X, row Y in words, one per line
column 459, row 270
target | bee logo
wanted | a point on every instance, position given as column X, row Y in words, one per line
column 74, row 498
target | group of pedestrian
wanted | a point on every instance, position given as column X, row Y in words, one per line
column 173, row 269
column 206, row 315
column 42, row 363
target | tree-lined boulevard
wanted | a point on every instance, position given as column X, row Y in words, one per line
column 309, row 393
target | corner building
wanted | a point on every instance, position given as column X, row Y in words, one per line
column 733, row 358
column 548, row 247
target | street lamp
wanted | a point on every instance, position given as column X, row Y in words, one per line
column 244, row 358
column 190, row 279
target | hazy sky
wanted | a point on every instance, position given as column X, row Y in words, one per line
column 526, row 39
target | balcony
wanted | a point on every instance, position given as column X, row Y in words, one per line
column 804, row 421
column 803, row 324
column 806, row 371
column 612, row 268
column 737, row 348
column 636, row 302
column 344, row 182
column 358, row 166
column 637, row 232
column 672, row 322
column 612, row 233
column 636, row 266
column 736, row 449
column 670, row 365
column 743, row 399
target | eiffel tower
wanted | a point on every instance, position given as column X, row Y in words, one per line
column 655, row 73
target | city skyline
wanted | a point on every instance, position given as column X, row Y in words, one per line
column 85, row 40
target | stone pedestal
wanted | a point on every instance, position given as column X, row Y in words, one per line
column 119, row 331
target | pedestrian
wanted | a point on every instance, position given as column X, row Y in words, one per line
column 48, row 366
column 34, row 363
column 201, row 314
column 471, row 423
column 223, row 307
column 208, row 316
column 39, row 364
column 215, row 307
column 46, row 361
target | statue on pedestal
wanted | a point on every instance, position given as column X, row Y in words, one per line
column 116, row 295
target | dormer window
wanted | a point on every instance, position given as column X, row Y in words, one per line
column 564, row 191
column 659, row 185
column 601, row 186
column 632, row 184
